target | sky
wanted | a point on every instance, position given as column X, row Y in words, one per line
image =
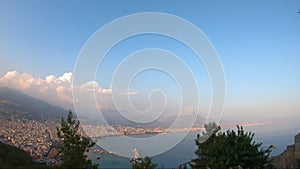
column 257, row 43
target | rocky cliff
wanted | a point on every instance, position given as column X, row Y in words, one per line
column 290, row 157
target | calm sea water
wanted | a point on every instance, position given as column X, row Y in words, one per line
column 184, row 151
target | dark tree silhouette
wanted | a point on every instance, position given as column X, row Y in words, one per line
column 229, row 149
column 74, row 145
column 13, row 157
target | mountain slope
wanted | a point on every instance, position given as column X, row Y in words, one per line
column 12, row 157
column 17, row 104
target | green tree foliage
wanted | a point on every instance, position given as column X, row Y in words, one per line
column 12, row 157
column 146, row 163
column 297, row 163
column 74, row 145
column 230, row 149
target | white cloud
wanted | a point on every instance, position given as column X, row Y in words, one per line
column 50, row 79
column 55, row 90
column 67, row 77
column 89, row 97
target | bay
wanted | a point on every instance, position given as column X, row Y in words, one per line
column 184, row 151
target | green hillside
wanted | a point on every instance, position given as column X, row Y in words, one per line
column 17, row 104
column 12, row 157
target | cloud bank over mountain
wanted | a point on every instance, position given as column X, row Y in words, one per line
column 56, row 90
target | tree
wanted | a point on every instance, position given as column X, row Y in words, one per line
column 207, row 146
column 297, row 163
column 74, row 145
column 146, row 163
column 229, row 149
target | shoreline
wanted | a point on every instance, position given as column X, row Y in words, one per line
column 178, row 130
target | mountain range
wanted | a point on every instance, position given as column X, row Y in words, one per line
column 15, row 104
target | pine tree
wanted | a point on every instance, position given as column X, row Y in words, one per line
column 207, row 146
column 74, row 145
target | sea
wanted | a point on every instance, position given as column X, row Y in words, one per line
column 184, row 151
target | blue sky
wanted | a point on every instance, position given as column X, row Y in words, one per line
column 257, row 42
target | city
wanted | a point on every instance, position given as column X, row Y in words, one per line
column 149, row 84
column 39, row 138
